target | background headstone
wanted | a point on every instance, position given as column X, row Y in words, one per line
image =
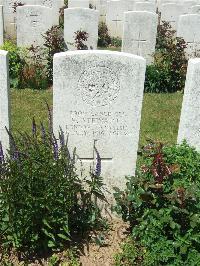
column 32, row 23
column 97, row 100
column 10, row 15
column 115, row 16
column 85, row 19
column 78, row 3
column 189, row 127
column 189, row 30
column 171, row 12
column 142, row 40
column 4, row 99
column 195, row 9
column 145, row 6
column 1, row 26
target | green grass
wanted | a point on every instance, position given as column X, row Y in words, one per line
column 26, row 104
column 160, row 114
column 160, row 117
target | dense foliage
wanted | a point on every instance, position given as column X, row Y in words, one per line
column 54, row 43
column 16, row 63
column 32, row 67
column 80, row 38
column 43, row 202
column 168, row 72
column 104, row 40
column 162, row 204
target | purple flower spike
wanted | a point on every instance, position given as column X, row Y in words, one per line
column 1, row 153
column 62, row 138
column 98, row 164
column 55, row 148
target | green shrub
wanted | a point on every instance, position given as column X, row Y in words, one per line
column 168, row 72
column 116, row 41
column 35, row 70
column 104, row 39
column 16, row 63
column 162, row 205
column 43, row 202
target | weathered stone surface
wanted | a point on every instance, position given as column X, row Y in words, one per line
column 1, row 26
column 78, row 3
column 171, row 12
column 189, row 30
column 84, row 19
column 32, row 23
column 195, row 9
column 97, row 100
column 10, row 14
column 189, row 127
column 4, row 99
column 142, row 40
column 115, row 16
column 145, row 6
column 101, row 6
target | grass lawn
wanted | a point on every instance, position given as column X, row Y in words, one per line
column 160, row 114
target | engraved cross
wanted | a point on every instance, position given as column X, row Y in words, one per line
column 139, row 42
column 34, row 19
column 92, row 159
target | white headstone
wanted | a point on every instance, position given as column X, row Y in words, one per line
column 1, row 26
column 84, row 19
column 54, row 4
column 142, row 40
column 145, row 6
column 97, row 100
column 115, row 16
column 189, row 30
column 187, row 5
column 171, row 12
column 4, row 99
column 78, row 3
column 195, row 9
column 32, row 24
column 101, row 6
column 10, row 15
column 189, row 127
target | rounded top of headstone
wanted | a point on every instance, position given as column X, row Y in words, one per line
column 99, row 52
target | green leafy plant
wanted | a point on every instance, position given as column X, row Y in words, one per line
column 162, row 205
column 16, row 63
column 54, row 43
column 43, row 202
column 104, row 39
column 116, row 42
column 35, row 72
column 168, row 72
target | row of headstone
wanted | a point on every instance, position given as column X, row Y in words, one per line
column 111, row 12
column 34, row 21
column 10, row 12
column 97, row 101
